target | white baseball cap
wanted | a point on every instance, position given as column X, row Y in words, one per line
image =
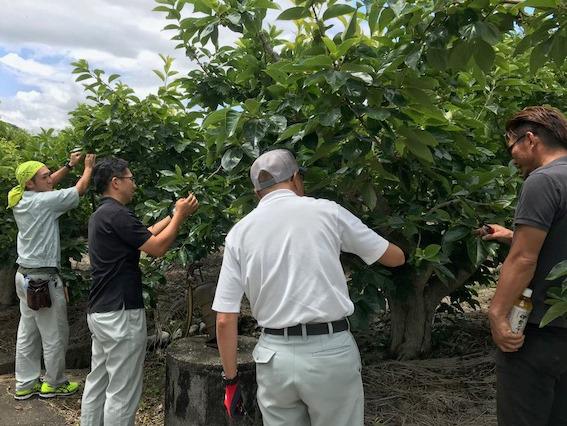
column 280, row 164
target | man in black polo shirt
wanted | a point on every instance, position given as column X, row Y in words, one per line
column 531, row 369
column 116, row 316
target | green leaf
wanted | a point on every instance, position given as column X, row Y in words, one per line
column 369, row 196
column 161, row 9
column 264, row 4
column 113, row 77
column 418, row 149
column 557, row 310
column 292, row 130
column 386, row 16
column 159, row 74
column 352, row 26
column 373, row 17
column 214, row 117
column 431, row 251
column 487, row 32
column 438, row 58
column 484, row 56
column 367, row 78
column 252, row 106
column 83, row 77
column 315, row 62
column 537, row 57
column 460, row 55
column 231, row 158
column 456, row 234
column 558, row 271
column 346, row 45
column 254, row 131
column 278, row 123
column 331, row 46
column 232, row 118
column 337, row 10
column 330, row 118
column 539, row 3
column 294, row 13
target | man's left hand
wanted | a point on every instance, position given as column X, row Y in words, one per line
column 503, row 336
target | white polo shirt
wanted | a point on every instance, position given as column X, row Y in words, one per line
column 37, row 216
column 285, row 256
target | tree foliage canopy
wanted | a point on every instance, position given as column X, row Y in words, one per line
column 396, row 108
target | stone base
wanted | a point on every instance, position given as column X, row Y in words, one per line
column 194, row 390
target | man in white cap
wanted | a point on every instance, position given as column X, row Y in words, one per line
column 285, row 256
column 37, row 208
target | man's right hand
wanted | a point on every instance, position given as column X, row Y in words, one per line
column 186, row 206
column 499, row 233
column 503, row 336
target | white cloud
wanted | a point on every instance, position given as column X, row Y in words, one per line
column 39, row 40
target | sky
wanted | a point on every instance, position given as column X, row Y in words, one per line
column 40, row 39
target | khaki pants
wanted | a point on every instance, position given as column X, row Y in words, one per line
column 114, row 386
column 309, row 380
column 47, row 328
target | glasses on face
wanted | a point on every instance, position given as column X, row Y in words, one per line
column 132, row 178
column 511, row 146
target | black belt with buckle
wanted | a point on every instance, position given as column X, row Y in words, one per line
column 311, row 329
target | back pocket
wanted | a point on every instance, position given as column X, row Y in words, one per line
column 262, row 355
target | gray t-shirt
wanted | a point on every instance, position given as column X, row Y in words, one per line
column 543, row 204
column 37, row 216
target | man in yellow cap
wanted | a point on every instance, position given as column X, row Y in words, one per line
column 37, row 208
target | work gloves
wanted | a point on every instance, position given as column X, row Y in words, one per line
column 233, row 398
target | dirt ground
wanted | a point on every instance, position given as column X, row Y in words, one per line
column 456, row 386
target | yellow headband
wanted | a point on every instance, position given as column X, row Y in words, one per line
column 25, row 172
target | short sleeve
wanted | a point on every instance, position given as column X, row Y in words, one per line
column 538, row 202
column 129, row 228
column 359, row 239
column 230, row 289
column 59, row 201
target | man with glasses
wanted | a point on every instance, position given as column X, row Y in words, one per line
column 531, row 369
column 285, row 256
column 37, row 207
column 116, row 315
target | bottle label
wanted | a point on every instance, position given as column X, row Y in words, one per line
column 518, row 319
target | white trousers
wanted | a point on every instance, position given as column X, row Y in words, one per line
column 114, row 386
column 309, row 381
column 46, row 327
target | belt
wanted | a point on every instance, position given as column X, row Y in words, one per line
column 44, row 270
column 311, row 329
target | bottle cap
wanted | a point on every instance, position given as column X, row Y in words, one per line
column 527, row 292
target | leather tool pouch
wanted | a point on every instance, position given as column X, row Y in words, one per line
column 38, row 294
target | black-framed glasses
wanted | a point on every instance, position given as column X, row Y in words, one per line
column 511, row 146
column 132, row 178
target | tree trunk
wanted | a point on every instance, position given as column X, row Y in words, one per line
column 412, row 320
column 412, row 315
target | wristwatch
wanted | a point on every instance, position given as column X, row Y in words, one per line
column 232, row 381
column 69, row 165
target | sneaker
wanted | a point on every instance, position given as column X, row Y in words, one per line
column 28, row 393
column 64, row 389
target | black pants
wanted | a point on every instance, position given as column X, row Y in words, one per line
column 531, row 387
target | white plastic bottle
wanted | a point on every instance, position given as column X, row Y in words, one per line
column 520, row 312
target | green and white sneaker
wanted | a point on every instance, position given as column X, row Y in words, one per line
column 64, row 389
column 28, row 393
